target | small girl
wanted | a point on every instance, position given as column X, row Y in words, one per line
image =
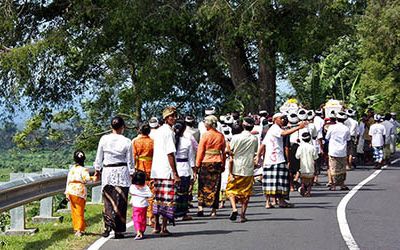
column 139, row 192
column 76, row 191
column 307, row 154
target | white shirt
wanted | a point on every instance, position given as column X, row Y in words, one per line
column 352, row 125
column 152, row 133
column 338, row 134
column 114, row 149
column 185, row 151
column 319, row 124
column 273, row 146
column 244, row 146
column 377, row 131
column 389, row 127
column 307, row 154
column 140, row 195
column 163, row 146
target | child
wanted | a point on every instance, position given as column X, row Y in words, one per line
column 139, row 192
column 307, row 155
column 76, row 191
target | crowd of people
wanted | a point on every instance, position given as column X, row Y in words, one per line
column 225, row 156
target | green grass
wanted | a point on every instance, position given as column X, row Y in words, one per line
column 58, row 236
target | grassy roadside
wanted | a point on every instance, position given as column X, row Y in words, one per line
column 58, row 236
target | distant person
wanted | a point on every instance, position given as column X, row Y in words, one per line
column 154, row 125
column 377, row 131
column 307, row 154
column 396, row 125
column 76, row 191
column 114, row 163
column 389, row 127
column 140, row 192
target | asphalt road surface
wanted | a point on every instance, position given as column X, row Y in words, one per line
column 373, row 215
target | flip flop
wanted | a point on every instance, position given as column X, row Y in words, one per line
column 138, row 237
column 200, row 214
column 345, row 188
column 270, row 206
column 156, row 231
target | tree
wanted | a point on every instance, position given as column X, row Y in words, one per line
column 380, row 48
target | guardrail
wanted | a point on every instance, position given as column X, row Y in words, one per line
column 23, row 191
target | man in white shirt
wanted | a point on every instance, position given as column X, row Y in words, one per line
column 352, row 124
column 164, row 172
column 389, row 127
column 377, row 132
column 240, row 182
column 396, row 125
column 276, row 173
column 338, row 135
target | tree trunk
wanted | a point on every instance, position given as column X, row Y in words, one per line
column 267, row 76
column 138, row 102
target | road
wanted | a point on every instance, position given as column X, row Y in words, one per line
column 372, row 215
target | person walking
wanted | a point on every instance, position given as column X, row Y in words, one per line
column 143, row 147
column 239, row 188
column 114, row 163
column 338, row 135
column 377, row 131
column 164, row 173
column 210, row 163
column 275, row 173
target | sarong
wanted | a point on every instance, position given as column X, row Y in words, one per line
column 150, row 200
column 337, row 166
column 276, row 179
column 78, row 212
column 164, row 198
column 352, row 147
column 209, row 184
column 115, row 206
column 182, row 197
column 139, row 218
column 378, row 154
column 386, row 152
column 294, row 166
column 241, row 187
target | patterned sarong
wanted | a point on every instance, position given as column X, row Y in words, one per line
column 337, row 166
column 164, row 198
column 139, row 218
column 209, row 184
column 241, row 187
column 378, row 154
column 182, row 197
column 276, row 179
column 115, row 206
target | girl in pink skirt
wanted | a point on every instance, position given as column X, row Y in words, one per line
column 139, row 192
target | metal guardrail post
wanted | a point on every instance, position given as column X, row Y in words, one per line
column 46, row 204
column 17, row 215
column 97, row 196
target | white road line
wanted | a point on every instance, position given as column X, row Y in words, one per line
column 341, row 210
column 100, row 242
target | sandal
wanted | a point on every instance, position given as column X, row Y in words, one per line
column 286, row 205
column 200, row 213
column 165, row 233
column 138, row 237
column 243, row 219
column 345, row 188
column 156, row 231
column 213, row 214
column 233, row 216
column 269, row 206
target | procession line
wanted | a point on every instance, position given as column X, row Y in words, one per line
column 341, row 210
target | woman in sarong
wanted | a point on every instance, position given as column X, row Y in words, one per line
column 184, row 164
column 210, row 163
column 114, row 163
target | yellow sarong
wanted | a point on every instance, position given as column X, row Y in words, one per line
column 78, row 212
column 241, row 187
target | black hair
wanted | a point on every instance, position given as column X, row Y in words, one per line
column 236, row 129
column 388, row 117
column 341, row 120
column 79, row 157
column 117, row 122
column 179, row 128
column 139, row 178
column 145, row 129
